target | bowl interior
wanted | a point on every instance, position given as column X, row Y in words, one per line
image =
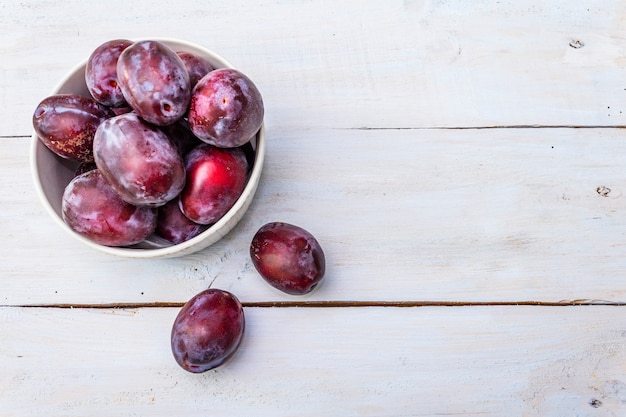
column 52, row 174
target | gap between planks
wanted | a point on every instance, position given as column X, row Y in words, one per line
column 336, row 304
column 529, row 126
column 521, row 126
column 352, row 304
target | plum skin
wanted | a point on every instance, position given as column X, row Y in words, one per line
column 101, row 73
column 226, row 108
column 174, row 226
column 288, row 257
column 139, row 160
column 181, row 136
column 154, row 82
column 91, row 208
column 207, row 330
column 197, row 66
column 215, row 179
column 66, row 124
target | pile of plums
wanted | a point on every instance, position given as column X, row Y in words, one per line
column 163, row 144
column 163, row 141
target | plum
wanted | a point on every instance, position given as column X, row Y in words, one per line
column 226, row 108
column 66, row 124
column 207, row 330
column 139, row 161
column 216, row 178
column 93, row 209
column 288, row 257
column 154, row 81
column 182, row 136
column 101, row 73
column 120, row 110
column 84, row 167
column 174, row 226
column 197, row 67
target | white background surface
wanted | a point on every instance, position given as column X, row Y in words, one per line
column 459, row 159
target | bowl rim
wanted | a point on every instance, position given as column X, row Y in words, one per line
column 207, row 237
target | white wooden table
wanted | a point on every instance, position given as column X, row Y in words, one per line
column 463, row 164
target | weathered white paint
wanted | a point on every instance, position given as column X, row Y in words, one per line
column 470, row 361
column 364, row 102
column 354, row 63
column 434, row 215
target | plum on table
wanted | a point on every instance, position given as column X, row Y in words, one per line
column 288, row 257
column 207, row 330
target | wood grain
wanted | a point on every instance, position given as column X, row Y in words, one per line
column 462, row 164
column 490, row 215
column 526, row 361
column 358, row 64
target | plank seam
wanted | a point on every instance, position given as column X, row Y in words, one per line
column 336, row 304
column 521, row 126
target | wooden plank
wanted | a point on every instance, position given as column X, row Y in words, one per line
column 405, row 215
column 471, row 361
column 354, row 63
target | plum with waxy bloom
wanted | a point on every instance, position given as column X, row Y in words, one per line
column 197, row 67
column 207, row 331
column 67, row 123
column 226, row 108
column 216, row 178
column 94, row 210
column 139, row 161
column 154, row 82
column 288, row 257
column 174, row 226
column 101, row 73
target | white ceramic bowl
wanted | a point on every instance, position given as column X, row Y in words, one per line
column 51, row 175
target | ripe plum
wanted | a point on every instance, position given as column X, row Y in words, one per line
column 101, row 73
column 84, row 167
column 174, row 226
column 93, row 209
column 121, row 110
column 182, row 136
column 139, row 161
column 154, row 81
column 288, row 257
column 197, row 67
column 216, row 178
column 207, row 331
column 66, row 124
column 226, row 108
